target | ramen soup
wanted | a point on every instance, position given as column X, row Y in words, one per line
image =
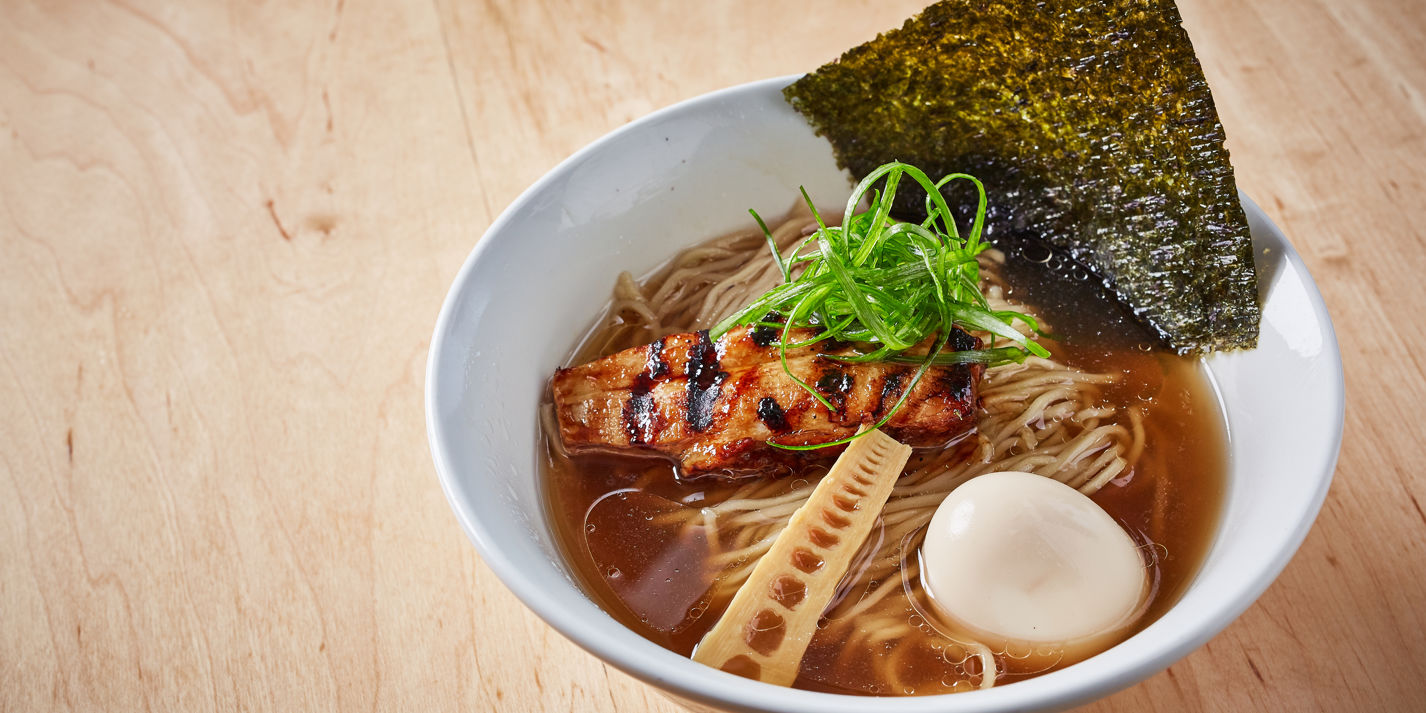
column 1110, row 414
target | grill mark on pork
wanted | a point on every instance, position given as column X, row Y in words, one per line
column 834, row 386
column 639, row 411
column 890, row 392
column 764, row 335
column 956, row 380
column 657, row 368
column 640, row 416
column 704, row 382
column 772, row 415
column 962, row 341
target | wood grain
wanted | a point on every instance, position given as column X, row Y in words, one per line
column 225, row 231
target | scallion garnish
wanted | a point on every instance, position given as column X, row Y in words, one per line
column 888, row 285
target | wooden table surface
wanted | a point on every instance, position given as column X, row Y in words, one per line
column 226, row 229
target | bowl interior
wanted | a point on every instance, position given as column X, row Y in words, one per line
column 628, row 202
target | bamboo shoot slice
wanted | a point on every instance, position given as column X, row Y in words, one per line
column 772, row 618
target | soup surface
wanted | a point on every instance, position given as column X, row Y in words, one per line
column 635, row 535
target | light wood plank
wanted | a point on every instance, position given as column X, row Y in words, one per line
column 225, row 231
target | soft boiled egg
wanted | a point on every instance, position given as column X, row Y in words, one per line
column 1028, row 564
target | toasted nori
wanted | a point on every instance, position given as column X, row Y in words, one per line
column 1092, row 127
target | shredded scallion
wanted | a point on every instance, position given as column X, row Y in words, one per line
column 888, row 286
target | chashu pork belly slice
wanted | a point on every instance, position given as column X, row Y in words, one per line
column 713, row 405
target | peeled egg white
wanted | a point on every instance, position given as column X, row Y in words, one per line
column 1027, row 563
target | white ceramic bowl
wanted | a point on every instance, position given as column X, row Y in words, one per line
column 628, row 201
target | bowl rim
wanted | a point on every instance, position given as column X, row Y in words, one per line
column 696, row 682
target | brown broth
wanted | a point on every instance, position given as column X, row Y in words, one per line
column 606, row 511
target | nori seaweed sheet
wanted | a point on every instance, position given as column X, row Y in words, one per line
column 1092, row 127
